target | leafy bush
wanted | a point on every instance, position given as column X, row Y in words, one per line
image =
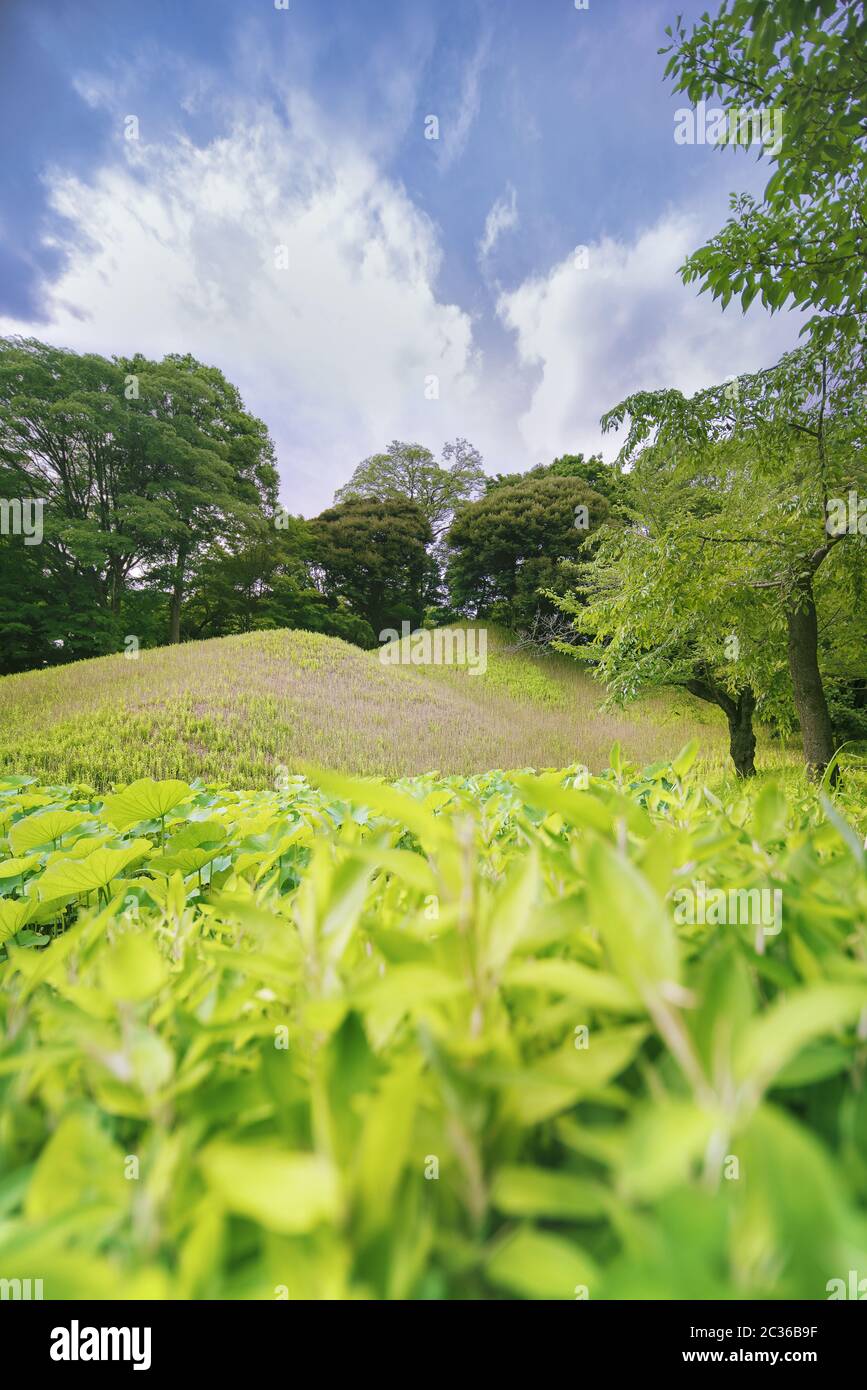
column 447, row 1038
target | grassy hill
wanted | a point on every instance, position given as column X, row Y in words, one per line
column 234, row 709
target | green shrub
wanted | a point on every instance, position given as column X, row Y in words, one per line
column 450, row 1038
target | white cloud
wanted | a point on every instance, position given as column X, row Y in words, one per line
column 625, row 323
column 174, row 250
column 502, row 217
column 456, row 129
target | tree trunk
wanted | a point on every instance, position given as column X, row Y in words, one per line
column 807, row 688
column 742, row 740
column 739, row 713
column 116, row 587
column 177, row 596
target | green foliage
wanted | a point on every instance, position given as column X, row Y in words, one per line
column 727, row 553
column 372, row 555
column 804, row 242
column 266, row 580
column 608, row 481
column 517, row 542
column 663, row 607
column 442, row 1039
column 410, row 471
column 140, row 465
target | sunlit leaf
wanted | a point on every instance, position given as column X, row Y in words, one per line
column 144, row 800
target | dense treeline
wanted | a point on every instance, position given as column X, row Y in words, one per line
column 159, row 519
column 704, row 558
column 139, row 468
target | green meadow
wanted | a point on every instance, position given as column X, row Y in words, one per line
column 237, row 709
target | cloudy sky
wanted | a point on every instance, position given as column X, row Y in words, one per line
column 285, row 214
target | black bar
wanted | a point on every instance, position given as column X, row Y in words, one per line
column 239, row 1336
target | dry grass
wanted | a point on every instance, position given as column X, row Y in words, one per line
column 234, row 709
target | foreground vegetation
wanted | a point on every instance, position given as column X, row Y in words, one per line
column 240, row 709
column 443, row 1039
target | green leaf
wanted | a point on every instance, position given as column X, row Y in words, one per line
column 187, row 861
column 144, row 800
column 534, row 1264
column 529, row 1191
column 769, row 814
column 571, row 1073
column 412, row 869
column 385, row 1143
column 73, row 876
column 632, row 921
column 14, row 914
column 407, row 987
column 777, row 1036
column 383, row 799
column 281, row 1190
column 44, row 828
column 196, row 833
column 78, row 1166
column 685, row 758
column 132, row 968
column 11, row 868
column 664, row 1142
column 510, row 914
column 594, row 988
column 576, row 808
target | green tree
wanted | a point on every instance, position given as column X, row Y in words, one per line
column 784, row 447
column 661, row 612
column 209, row 467
column 517, row 543
column 602, row 477
column 411, row 471
column 805, row 242
column 47, row 610
column 266, row 581
column 140, row 466
column 373, row 556
column 64, row 427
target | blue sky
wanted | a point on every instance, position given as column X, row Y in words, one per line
column 405, row 259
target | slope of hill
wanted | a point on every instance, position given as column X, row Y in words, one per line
column 235, row 709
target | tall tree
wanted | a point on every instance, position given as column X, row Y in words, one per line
column 661, row 612
column 411, row 471
column 140, row 466
column 64, row 437
column 373, row 555
column 210, row 465
column 795, row 436
column 266, row 581
column 604, row 478
column 516, row 543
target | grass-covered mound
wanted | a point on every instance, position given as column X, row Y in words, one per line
column 450, row 1039
column 237, row 709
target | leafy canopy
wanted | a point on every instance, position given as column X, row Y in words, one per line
column 805, row 241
